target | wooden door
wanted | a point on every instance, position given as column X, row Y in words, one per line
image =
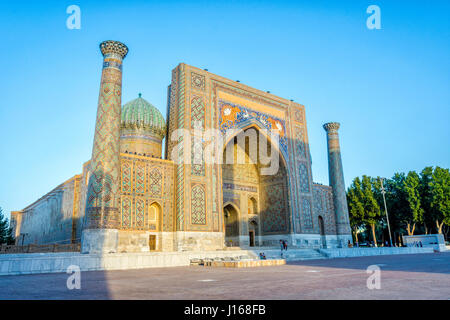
column 152, row 242
column 252, row 238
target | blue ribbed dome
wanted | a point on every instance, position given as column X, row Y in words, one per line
column 143, row 117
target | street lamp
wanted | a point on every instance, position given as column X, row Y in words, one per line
column 383, row 192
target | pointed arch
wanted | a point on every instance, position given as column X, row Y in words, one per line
column 154, row 216
column 272, row 191
column 231, row 217
column 254, row 123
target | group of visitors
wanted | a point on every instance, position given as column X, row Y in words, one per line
column 283, row 246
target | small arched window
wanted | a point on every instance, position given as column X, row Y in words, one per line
column 154, row 217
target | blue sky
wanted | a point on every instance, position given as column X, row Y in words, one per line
column 389, row 88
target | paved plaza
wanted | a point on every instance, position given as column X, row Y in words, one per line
column 414, row 276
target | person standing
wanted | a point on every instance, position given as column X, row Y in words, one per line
column 281, row 247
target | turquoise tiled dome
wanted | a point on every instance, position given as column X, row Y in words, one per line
column 143, row 117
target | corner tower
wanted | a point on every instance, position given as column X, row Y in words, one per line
column 336, row 176
column 100, row 232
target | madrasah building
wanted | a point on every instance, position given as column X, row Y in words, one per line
column 129, row 198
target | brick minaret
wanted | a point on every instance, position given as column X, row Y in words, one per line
column 100, row 231
column 336, row 176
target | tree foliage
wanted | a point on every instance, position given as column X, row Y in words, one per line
column 355, row 206
column 411, row 186
column 363, row 207
column 416, row 202
column 440, row 192
column 5, row 230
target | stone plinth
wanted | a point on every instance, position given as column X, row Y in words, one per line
column 248, row 264
column 435, row 241
column 99, row 240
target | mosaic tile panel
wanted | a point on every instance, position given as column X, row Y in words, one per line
column 198, row 204
column 307, row 214
column 197, row 81
column 159, row 187
column 232, row 115
column 127, row 207
column 275, row 212
column 298, row 115
column 126, row 176
column 180, row 168
column 197, row 147
column 155, row 182
column 304, row 177
column 300, row 142
column 140, row 178
column 140, row 213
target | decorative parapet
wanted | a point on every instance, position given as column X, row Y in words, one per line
column 113, row 47
column 331, row 127
column 332, row 136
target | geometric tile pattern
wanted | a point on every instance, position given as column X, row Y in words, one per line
column 139, row 177
column 274, row 211
column 303, row 176
column 222, row 104
column 197, row 81
column 140, row 213
column 198, row 204
column 103, row 193
column 323, row 206
column 299, row 141
column 127, row 207
column 197, row 122
column 126, row 176
column 180, row 179
column 155, row 182
column 298, row 115
column 307, row 214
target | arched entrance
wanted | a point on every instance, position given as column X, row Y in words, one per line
column 322, row 232
column 231, row 222
column 253, row 232
column 253, row 222
column 252, row 206
column 259, row 194
column 154, row 225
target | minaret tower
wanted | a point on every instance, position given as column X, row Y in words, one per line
column 336, row 176
column 100, row 230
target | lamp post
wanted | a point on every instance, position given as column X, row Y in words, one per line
column 383, row 192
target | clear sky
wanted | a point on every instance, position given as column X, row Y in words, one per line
column 388, row 88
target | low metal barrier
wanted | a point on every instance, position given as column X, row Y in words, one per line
column 40, row 248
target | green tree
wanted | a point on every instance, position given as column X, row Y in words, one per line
column 398, row 206
column 440, row 191
column 355, row 206
column 411, row 185
column 412, row 201
column 426, row 197
column 5, row 230
column 370, row 204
